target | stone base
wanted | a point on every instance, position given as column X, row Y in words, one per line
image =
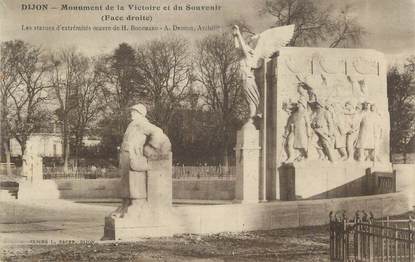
column 5, row 195
column 42, row 189
column 248, row 162
column 139, row 224
column 209, row 219
column 309, row 180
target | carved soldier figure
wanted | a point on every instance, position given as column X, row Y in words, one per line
column 141, row 140
column 378, row 131
column 365, row 142
column 338, row 123
column 297, row 132
column 350, row 128
column 322, row 125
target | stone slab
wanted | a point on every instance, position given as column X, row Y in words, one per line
column 206, row 219
column 311, row 180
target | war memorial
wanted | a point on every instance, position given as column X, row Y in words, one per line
column 317, row 141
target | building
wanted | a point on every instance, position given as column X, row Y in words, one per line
column 50, row 143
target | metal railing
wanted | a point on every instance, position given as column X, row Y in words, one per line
column 365, row 239
column 203, row 172
column 179, row 172
column 79, row 173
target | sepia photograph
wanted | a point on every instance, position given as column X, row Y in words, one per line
column 207, row 130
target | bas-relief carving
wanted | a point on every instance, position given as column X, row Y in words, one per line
column 339, row 110
column 331, row 66
column 365, row 66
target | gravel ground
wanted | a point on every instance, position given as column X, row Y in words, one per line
column 299, row 244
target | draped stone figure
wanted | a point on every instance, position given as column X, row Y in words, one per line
column 351, row 128
column 322, row 124
column 365, row 142
column 379, row 132
column 297, row 133
column 268, row 43
column 141, row 140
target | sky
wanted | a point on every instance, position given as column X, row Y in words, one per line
column 389, row 23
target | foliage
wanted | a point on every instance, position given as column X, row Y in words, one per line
column 315, row 23
column 166, row 72
column 217, row 71
column 401, row 94
column 24, row 89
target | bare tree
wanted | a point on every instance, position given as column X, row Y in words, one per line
column 217, row 66
column 166, row 71
column 8, row 78
column 27, row 90
column 66, row 78
column 345, row 30
column 316, row 24
column 89, row 103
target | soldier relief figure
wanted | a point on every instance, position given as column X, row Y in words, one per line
column 142, row 141
column 335, row 133
column 297, row 132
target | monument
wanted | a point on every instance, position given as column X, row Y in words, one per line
column 34, row 186
column 319, row 113
column 318, row 121
column 146, row 171
column 248, row 146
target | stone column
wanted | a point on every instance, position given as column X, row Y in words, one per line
column 248, row 161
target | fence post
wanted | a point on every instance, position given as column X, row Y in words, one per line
column 396, row 243
column 371, row 240
column 345, row 253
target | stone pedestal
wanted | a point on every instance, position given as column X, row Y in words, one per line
column 38, row 190
column 151, row 217
column 35, row 187
column 248, row 160
column 317, row 180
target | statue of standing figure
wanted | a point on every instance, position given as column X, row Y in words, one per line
column 297, row 132
column 322, row 124
column 351, row 129
column 378, row 132
column 366, row 139
column 142, row 140
column 32, row 161
column 268, row 42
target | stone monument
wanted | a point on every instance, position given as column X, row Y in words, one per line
column 248, row 146
column 34, row 186
column 342, row 93
column 146, row 171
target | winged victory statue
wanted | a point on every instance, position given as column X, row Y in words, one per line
column 267, row 43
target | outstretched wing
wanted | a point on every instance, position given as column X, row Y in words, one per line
column 269, row 41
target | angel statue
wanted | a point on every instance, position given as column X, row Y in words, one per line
column 267, row 43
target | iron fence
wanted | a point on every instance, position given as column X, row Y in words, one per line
column 363, row 238
column 203, row 172
column 79, row 173
column 179, row 172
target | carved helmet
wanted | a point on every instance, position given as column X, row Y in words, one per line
column 140, row 108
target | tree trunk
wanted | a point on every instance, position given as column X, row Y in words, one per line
column 66, row 159
column 4, row 137
column 7, row 156
column 65, row 142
